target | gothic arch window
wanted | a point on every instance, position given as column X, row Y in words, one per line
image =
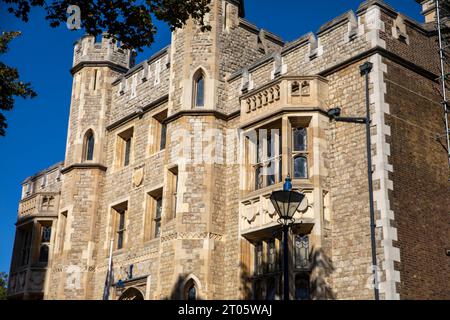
column 295, row 88
column 306, row 88
column 89, row 143
column 199, row 89
column 190, row 291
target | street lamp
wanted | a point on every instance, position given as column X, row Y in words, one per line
column 286, row 203
column 335, row 114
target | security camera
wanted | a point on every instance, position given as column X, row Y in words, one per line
column 334, row 113
column 447, row 252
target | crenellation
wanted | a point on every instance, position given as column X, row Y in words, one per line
column 173, row 161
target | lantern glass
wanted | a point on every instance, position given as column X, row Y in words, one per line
column 286, row 203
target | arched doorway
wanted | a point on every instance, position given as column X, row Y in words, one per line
column 132, row 294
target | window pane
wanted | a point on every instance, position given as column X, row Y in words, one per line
column 46, row 234
column 271, row 255
column 192, row 293
column 157, row 228
column 200, row 94
column 301, row 252
column 280, row 169
column 26, row 248
column 157, row 219
column 300, row 139
column 119, row 240
column 259, row 182
column 271, row 173
column 174, row 194
column 163, row 136
column 127, row 152
column 271, row 289
column 300, row 168
column 302, row 287
column 121, row 221
column 259, row 151
column 259, row 290
column 259, row 258
column 90, row 147
column 43, row 254
column 158, row 208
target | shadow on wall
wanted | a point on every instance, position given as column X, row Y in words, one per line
column 317, row 273
column 185, row 288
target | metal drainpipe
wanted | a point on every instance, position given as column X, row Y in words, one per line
column 366, row 68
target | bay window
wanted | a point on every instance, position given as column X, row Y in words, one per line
column 268, row 151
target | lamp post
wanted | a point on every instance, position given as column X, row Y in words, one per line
column 335, row 114
column 286, row 203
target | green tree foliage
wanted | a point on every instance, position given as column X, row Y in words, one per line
column 10, row 84
column 3, row 285
column 128, row 21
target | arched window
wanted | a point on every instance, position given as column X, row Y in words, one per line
column 295, row 88
column 190, row 291
column 199, row 89
column 89, row 143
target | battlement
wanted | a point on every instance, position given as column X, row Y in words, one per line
column 88, row 50
column 374, row 25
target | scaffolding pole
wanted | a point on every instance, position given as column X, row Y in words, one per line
column 443, row 78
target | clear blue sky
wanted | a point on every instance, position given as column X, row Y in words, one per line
column 36, row 136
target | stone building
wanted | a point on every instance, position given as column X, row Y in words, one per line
column 171, row 163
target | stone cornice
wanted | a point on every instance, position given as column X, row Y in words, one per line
column 138, row 113
column 83, row 166
column 112, row 65
column 280, row 112
column 203, row 113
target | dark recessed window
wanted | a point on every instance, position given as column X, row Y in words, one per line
column 162, row 145
column 46, row 233
column 300, row 139
column 119, row 224
column 302, row 287
column 90, row 146
column 126, row 160
column 158, row 213
column 300, row 153
column 43, row 254
column 300, row 167
column 199, row 90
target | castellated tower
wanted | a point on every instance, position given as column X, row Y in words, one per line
column 204, row 60
column 172, row 162
column 95, row 66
